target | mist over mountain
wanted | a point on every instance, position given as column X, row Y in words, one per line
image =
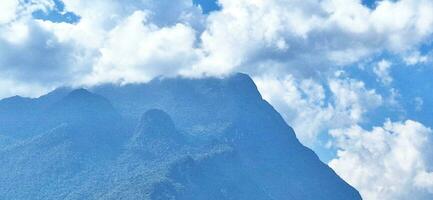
column 177, row 138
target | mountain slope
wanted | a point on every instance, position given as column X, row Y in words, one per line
column 168, row 139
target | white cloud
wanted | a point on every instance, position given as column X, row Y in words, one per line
column 134, row 41
column 7, row 10
column 419, row 102
column 317, row 35
column 305, row 105
column 301, row 103
column 304, row 38
column 390, row 162
column 33, row 54
column 415, row 58
column 382, row 71
column 10, row 88
column 11, row 10
column 137, row 50
column 353, row 98
column 424, row 180
column 413, row 25
column 127, row 42
column 161, row 13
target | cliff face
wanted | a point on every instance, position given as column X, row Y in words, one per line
column 167, row 139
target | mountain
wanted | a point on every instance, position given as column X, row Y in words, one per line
column 20, row 116
column 175, row 138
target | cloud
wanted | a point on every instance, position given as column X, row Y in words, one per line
column 12, row 10
column 31, row 53
column 138, row 50
column 135, row 41
column 304, row 38
column 9, row 88
column 388, row 162
column 382, row 71
column 298, row 100
column 415, row 58
column 419, row 102
column 307, row 37
column 312, row 108
column 7, row 10
column 161, row 13
column 424, row 180
column 130, row 37
column 352, row 97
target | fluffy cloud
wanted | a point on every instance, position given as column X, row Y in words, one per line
column 424, row 180
column 7, row 10
column 311, row 110
column 382, row 71
column 10, row 88
column 415, row 58
column 32, row 55
column 304, row 38
column 130, row 41
column 389, row 162
column 145, row 50
column 12, row 10
column 298, row 100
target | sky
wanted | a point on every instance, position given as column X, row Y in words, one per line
column 353, row 78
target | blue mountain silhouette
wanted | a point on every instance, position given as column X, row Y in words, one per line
column 174, row 138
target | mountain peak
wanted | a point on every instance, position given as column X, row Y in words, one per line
column 242, row 77
column 156, row 122
column 195, row 118
column 156, row 134
column 83, row 96
column 16, row 99
column 80, row 92
column 81, row 105
column 243, row 86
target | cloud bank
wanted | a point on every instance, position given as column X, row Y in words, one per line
column 388, row 162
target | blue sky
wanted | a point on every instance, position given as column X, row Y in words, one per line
column 207, row 5
column 57, row 14
column 352, row 77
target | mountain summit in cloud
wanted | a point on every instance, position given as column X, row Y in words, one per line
column 213, row 138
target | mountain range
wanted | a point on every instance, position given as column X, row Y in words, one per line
column 170, row 138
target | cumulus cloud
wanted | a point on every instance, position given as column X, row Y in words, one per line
column 306, row 105
column 415, row 58
column 424, row 180
column 129, row 41
column 7, row 10
column 308, row 36
column 11, row 10
column 382, row 71
column 303, row 38
column 298, row 100
column 10, row 88
column 388, row 162
column 32, row 53
column 139, row 46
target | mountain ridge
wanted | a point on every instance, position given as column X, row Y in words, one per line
column 175, row 138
